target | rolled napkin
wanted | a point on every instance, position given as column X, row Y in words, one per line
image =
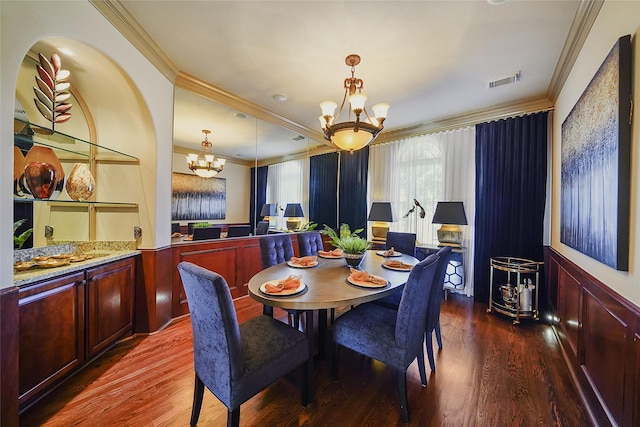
column 334, row 252
column 304, row 261
column 363, row 276
column 394, row 263
column 389, row 252
column 291, row 282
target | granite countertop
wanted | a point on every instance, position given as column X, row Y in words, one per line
column 102, row 252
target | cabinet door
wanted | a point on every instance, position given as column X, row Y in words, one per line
column 51, row 332
column 109, row 303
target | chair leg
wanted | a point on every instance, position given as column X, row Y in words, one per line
column 334, row 365
column 421, row 368
column 402, row 395
column 438, row 335
column 198, row 394
column 429, row 343
column 233, row 417
column 267, row 310
column 306, row 385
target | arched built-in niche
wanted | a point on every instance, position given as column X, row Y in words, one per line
column 108, row 111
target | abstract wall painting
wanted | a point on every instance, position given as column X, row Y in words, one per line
column 595, row 165
column 196, row 198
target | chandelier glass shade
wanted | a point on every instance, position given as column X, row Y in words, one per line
column 356, row 132
column 204, row 163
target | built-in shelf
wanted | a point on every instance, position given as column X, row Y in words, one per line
column 67, row 147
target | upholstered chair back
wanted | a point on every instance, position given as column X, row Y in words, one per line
column 435, row 297
column 310, row 243
column 262, row 227
column 275, row 249
column 402, row 242
column 412, row 311
column 217, row 350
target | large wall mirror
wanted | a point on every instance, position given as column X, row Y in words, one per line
column 243, row 140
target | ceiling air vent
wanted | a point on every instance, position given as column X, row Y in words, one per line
column 511, row 78
column 297, row 138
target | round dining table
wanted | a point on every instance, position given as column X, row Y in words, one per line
column 327, row 284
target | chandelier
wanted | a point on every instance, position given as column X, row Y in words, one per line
column 204, row 163
column 352, row 135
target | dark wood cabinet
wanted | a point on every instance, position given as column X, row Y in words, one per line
column 599, row 331
column 51, row 333
column 109, row 304
column 67, row 321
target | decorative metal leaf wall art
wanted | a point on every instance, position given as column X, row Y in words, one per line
column 51, row 90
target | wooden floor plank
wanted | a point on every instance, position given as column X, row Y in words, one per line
column 489, row 373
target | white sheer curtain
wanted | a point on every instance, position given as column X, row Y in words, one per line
column 288, row 182
column 428, row 168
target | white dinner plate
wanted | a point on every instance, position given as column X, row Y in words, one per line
column 397, row 268
column 286, row 292
column 294, row 265
column 330, row 256
column 382, row 253
column 367, row 284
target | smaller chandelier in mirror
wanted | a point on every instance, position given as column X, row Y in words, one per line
column 204, row 163
column 352, row 135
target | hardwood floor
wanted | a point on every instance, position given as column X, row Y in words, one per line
column 489, row 373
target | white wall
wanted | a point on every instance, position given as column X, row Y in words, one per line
column 616, row 19
column 147, row 135
column 238, row 189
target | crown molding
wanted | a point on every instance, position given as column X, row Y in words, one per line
column 196, row 85
column 578, row 32
column 115, row 12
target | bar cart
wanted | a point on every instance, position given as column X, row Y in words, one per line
column 517, row 292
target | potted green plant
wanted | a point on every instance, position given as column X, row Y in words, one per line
column 18, row 241
column 353, row 246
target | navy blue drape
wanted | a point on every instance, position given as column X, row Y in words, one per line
column 258, row 194
column 323, row 189
column 354, row 168
column 511, row 176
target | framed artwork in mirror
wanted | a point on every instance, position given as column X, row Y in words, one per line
column 595, row 163
column 197, row 198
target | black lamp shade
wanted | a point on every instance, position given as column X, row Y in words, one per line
column 450, row 213
column 293, row 210
column 381, row 211
column 269, row 209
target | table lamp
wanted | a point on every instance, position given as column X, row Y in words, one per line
column 269, row 211
column 382, row 214
column 451, row 215
column 293, row 212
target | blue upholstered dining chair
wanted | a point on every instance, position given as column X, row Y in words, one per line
column 262, row 228
column 402, row 242
column 310, row 243
column 433, row 308
column 388, row 335
column 237, row 361
column 276, row 249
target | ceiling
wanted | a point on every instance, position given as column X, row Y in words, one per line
column 431, row 60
